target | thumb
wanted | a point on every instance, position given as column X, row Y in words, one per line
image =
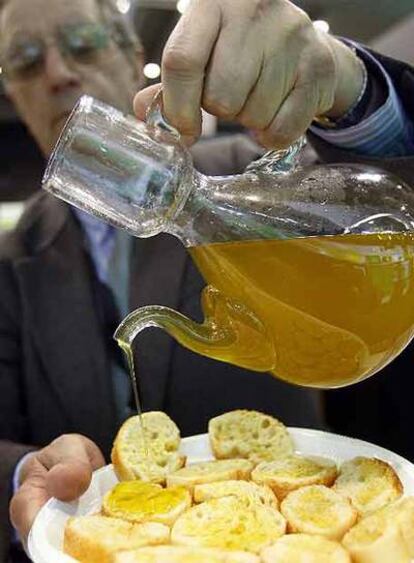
column 63, row 469
column 70, row 461
column 68, row 480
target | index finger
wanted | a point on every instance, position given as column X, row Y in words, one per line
column 184, row 63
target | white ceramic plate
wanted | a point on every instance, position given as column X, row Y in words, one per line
column 46, row 537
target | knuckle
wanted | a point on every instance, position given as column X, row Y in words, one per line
column 300, row 22
column 72, row 438
column 179, row 61
column 219, row 107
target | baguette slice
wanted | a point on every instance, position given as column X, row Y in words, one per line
column 376, row 539
column 249, row 434
column 401, row 513
column 147, row 449
column 318, row 510
column 181, row 554
column 137, row 501
column 288, row 474
column 210, row 471
column 95, row 539
column 244, row 489
column 229, row 523
column 369, row 483
column 304, row 548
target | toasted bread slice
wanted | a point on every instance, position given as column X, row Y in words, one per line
column 245, row 489
column 401, row 513
column 369, row 483
column 95, row 539
column 147, row 449
column 210, row 471
column 137, row 501
column 318, row 510
column 376, row 539
column 304, row 548
column 181, row 554
column 288, row 474
column 249, row 434
column 229, row 523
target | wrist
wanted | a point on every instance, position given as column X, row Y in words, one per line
column 351, row 78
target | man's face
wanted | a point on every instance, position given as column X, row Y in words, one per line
column 45, row 97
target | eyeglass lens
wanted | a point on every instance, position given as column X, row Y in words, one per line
column 81, row 42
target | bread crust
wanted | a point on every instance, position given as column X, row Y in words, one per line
column 96, row 539
column 293, row 472
column 369, row 483
column 146, row 448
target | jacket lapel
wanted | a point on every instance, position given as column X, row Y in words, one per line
column 64, row 325
column 157, row 271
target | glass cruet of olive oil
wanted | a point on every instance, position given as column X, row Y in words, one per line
column 309, row 270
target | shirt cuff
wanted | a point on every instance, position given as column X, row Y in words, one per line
column 386, row 132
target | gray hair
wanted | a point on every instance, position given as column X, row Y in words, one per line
column 124, row 32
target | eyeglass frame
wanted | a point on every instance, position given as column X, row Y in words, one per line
column 112, row 31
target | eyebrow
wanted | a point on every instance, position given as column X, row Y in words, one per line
column 20, row 36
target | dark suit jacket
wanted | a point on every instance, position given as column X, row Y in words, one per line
column 54, row 372
column 380, row 409
column 54, row 363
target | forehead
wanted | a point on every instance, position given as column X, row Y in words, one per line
column 39, row 16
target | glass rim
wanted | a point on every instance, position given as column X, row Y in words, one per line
column 84, row 104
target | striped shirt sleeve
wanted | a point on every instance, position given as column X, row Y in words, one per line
column 386, row 132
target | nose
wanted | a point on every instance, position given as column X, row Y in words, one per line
column 59, row 75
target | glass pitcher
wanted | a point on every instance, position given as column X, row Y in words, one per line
column 309, row 270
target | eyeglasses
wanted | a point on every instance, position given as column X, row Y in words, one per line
column 81, row 42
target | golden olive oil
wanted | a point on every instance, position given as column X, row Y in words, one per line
column 332, row 309
column 127, row 349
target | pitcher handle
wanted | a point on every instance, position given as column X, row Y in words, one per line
column 155, row 117
column 279, row 161
column 229, row 332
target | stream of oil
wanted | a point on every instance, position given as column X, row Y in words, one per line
column 126, row 348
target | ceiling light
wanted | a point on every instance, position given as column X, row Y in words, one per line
column 123, row 6
column 321, row 25
column 152, row 70
column 182, row 5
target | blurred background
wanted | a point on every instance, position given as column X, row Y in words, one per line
column 373, row 22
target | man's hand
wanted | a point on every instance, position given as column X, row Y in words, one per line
column 63, row 470
column 258, row 62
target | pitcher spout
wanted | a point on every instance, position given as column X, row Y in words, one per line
column 228, row 332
